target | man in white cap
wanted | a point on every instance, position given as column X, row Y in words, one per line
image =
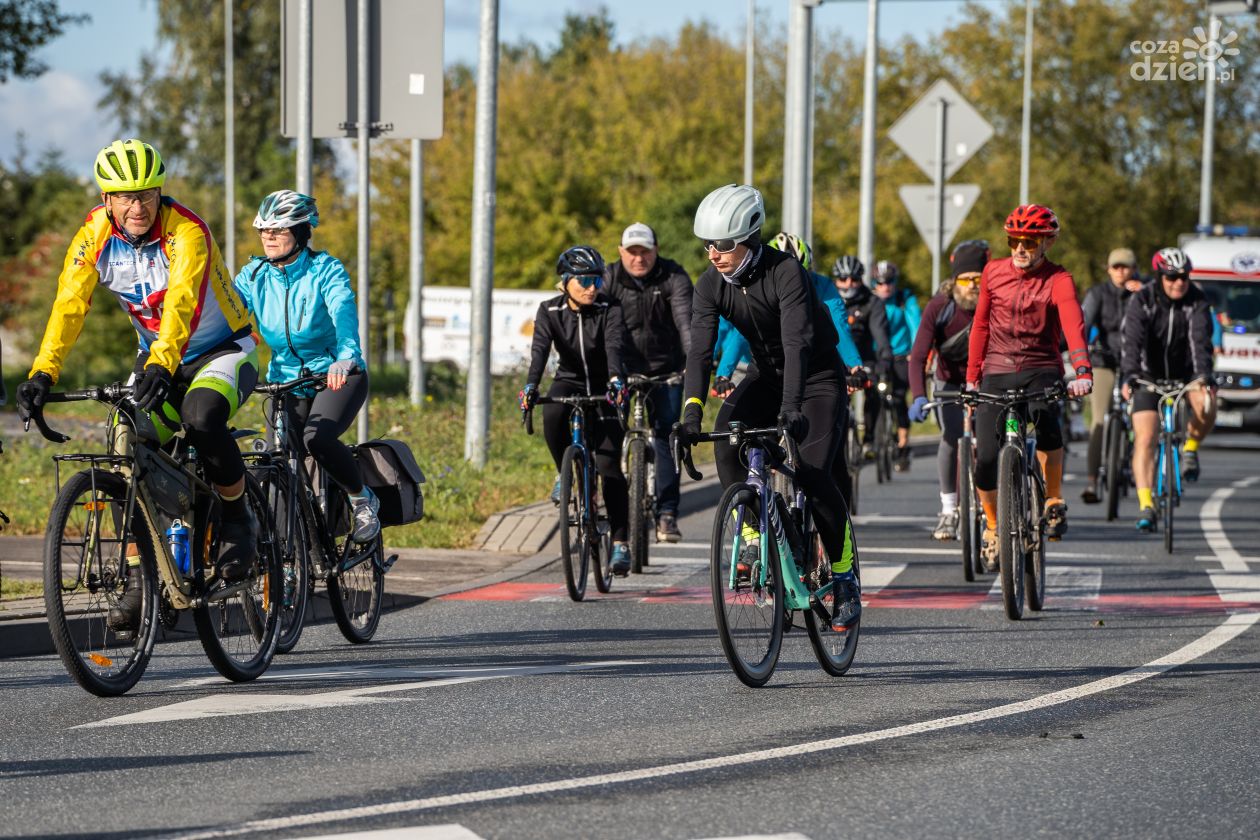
column 655, row 295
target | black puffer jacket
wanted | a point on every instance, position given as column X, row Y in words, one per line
column 775, row 307
column 590, row 341
column 1167, row 339
column 1103, row 308
column 657, row 311
column 868, row 324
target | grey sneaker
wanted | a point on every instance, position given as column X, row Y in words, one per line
column 946, row 527
column 367, row 523
column 667, row 528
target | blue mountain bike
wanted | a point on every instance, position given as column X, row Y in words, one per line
column 1172, row 421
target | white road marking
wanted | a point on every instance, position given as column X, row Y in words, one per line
column 1214, row 531
column 890, row 519
column 245, row 703
column 1210, row 641
column 792, row 836
column 877, row 575
column 1078, row 585
column 680, row 546
column 415, row 832
column 954, row 552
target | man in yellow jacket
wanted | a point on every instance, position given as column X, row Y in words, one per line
column 197, row 358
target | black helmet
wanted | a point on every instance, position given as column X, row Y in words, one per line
column 580, row 259
column 848, row 266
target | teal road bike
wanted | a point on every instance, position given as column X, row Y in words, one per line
column 1172, row 422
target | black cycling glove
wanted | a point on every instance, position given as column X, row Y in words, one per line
column 32, row 393
column 152, row 388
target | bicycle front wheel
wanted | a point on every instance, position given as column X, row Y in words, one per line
column 600, row 539
column 834, row 649
column 575, row 547
column 1035, row 559
column 640, row 525
column 968, row 522
column 85, row 576
column 747, row 587
column 1113, row 459
column 1169, row 496
column 885, row 442
column 1010, row 526
column 293, row 545
column 356, row 589
column 239, row 623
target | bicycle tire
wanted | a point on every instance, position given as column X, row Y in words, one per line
column 77, row 618
column 640, row 520
column 884, row 441
column 749, row 615
column 1169, row 496
column 574, row 547
column 1113, row 459
column 356, row 594
column 1010, row 518
column 294, row 547
column 968, row 536
column 600, row 539
column 834, row 650
column 1035, row 561
column 239, row 624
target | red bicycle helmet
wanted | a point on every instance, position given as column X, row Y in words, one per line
column 1171, row 262
column 1032, row 220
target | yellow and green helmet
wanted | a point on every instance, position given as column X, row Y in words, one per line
column 129, row 165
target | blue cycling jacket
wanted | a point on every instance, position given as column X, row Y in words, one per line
column 903, row 321
column 305, row 311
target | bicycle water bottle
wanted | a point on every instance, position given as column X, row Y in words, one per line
column 177, row 536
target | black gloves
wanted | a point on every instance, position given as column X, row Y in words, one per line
column 152, row 388
column 794, row 423
column 32, row 393
column 692, row 414
column 722, row 387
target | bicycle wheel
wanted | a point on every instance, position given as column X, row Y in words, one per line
column 575, row 548
column 834, row 649
column 1010, row 526
column 239, row 623
column 747, row 588
column 640, row 523
column 356, row 590
column 1113, row 460
column 1035, row 560
column 885, row 438
column 84, row 575
column 968, row 532
column 293, row 546
column 853, row 447
column 1168, row 499
column 600, row 539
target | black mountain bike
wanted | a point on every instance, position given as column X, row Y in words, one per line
column 133, row 501
column 970, row 512
column 1117, row 454
column 885, row 431
column 638, row 463
column 313, row 525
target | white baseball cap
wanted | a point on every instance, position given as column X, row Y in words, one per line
column 638, row 234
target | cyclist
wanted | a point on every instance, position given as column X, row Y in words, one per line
column 197, row 360
column 946, row 329
column 868, row 324
column 1103, row 308
column 794, row 378
column 1167, row 335
column 306, row 312
column 901, row 310
column 1026, row 301
column 589, row 334
column 655, row 298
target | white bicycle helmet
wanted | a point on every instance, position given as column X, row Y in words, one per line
column 286, row 209
column 735, row 211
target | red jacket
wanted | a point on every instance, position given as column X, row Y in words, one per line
column 1019, row 319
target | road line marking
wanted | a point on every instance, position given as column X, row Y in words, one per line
column 1214, row 530
column 415, row 832
column 1210, row 641
column 680, row 545
column 1067, row 587
column 955, row 552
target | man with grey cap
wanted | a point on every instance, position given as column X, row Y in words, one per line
column 655, row 296
column 1104, row 312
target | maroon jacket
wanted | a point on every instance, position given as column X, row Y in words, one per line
column 930, row 336
column 1019, row 318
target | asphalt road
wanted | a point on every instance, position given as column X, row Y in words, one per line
column 1128, row 708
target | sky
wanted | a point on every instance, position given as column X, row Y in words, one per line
column 58, row 109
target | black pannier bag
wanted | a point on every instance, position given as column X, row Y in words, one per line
column 389, row 468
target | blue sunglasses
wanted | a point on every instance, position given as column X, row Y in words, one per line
column 587, row 280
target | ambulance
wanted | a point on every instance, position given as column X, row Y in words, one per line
column 1226, row 265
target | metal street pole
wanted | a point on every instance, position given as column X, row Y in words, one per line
column 749, row 70
column 866, row 214
column 1025, row 138
column 303, row 178
column 796, row 192
column 229, row 144
column 416, row 287
column 365, row 187
column 1209, row 131
column 938, row 238
column 481, row 280
column 807, row 184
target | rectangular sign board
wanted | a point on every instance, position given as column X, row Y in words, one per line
column 405, row 66
column 448, row 326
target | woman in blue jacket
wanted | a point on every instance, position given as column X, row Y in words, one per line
column 306, row 313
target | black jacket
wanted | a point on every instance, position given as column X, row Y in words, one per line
column 657, row 311
column 775, row 307
column 1103, row 308
column 590, row 342
column 868, row 324
column 1166, row 339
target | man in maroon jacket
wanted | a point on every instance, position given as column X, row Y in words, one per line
column 1026, row 301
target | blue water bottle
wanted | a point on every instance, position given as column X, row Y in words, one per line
column 177, row 536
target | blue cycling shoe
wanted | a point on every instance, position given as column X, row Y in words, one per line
column 555, row 492
column 1146, row 521
column 846, row 601
column 620, row 564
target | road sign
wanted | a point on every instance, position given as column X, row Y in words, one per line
column 1233, row 7
column 915, row 130
column 920, row 201
column 406, row 68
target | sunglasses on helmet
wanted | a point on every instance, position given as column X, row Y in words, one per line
column 586, row 280
column 722, row 246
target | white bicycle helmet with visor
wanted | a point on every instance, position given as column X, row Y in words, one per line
column 286, row 209
column 729, row 216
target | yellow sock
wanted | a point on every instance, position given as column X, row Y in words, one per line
column 1145, row 498
column 1192, row 445
column 846, row 561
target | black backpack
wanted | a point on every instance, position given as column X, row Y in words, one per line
column 954, row 348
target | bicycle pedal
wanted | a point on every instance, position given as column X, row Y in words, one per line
column 389, row 563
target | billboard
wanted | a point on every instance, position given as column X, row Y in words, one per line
column 448, row 325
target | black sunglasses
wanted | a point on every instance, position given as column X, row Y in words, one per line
column 722, row 246
column 587, row 280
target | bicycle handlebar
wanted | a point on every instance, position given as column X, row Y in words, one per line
column 680, row 444
column 527, row 414
column 316, row 380
column 637, row 380
column 1005, row 399
column 113, row 393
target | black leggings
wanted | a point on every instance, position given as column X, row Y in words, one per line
column 604, row 434
column 988, row 420
column 756, row 404
column 323, row 419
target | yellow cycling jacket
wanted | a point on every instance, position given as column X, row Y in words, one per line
column 175, row 287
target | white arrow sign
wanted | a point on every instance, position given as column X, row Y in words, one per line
column 915, row 130
column 920, row 201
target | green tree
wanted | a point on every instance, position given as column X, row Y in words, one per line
column 25, row 26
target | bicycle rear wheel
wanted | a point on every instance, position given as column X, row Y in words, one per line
column 853, row 451
column 747, row 588
column 356, row 588
column 834, row 649
column 575, row 548
column 1168, row 499
column 600, row 539
column 885, row 443
column 293, row 546
column 1010, row 526
column 85, row 575
column 968, row 524
column 1035, row 560
column 1113, row 459
column 239, row 623
column 640, row 523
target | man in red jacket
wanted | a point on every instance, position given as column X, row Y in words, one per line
column 1026, row 301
